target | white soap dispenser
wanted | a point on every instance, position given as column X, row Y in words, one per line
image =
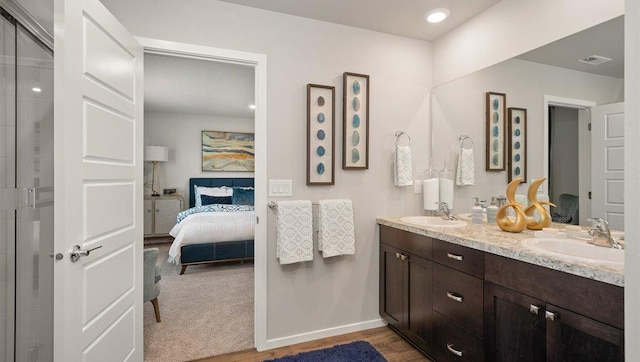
column 492, row 210
column 476, row 212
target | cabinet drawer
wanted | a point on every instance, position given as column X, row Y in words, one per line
column 459, row 257
column 413, row 243
column 459, row 297
column 453, row 343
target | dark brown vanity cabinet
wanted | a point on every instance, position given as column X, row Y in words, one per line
column 524, row 322
column 405, row 285
column 460, row 304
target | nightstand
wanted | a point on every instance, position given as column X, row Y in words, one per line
column 160, row 214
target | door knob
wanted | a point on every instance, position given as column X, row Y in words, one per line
column 77, row 252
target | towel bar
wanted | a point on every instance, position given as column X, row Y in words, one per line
column 465, row 138
column 400, row 133
column 274, row 204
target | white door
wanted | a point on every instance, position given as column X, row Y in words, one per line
column 607, row 164
column 98, row 185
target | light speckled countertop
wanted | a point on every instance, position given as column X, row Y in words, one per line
column 490, row 239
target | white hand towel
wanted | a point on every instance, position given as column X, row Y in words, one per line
column 336, row 234
column 403, row 172
column 431, row 193
column 466, row 169
column 294, row 229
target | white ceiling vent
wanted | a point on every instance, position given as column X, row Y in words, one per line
column 594, row 60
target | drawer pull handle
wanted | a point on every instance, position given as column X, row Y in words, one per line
column 402, row 256
column 550, row 316
column 454, row 296
column 534, row 309
column 397, row 255
column 455, row 257
column 454, row 351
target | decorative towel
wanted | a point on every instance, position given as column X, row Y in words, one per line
column 336, row 230
column 466, row 170
column 403, row 173
column 294, row 241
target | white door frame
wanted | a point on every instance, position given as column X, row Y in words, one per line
column 583, row 106
column 259, row 62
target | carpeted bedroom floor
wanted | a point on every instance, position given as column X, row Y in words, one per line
column 206, row 312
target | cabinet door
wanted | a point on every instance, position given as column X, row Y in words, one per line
column 166, row 212
column 419, row 308
column 514, row 326
column 392, row 286
column 148, row 217
column 573, row 337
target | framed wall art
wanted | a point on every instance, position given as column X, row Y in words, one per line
column 496, row 131
column 355, row 117
column 320, row 134
column 517, row 143
column 228, row 151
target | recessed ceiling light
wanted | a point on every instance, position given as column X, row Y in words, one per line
column 252, row 106
column 436, row 15
column 36, row 89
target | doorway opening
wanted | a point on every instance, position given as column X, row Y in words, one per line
column 567, row 158
column 181, row 130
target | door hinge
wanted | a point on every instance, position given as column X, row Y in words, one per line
column 257, row 219
column 589, row 126
column 589, row 195
column 25, row 198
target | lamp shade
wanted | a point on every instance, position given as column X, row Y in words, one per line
column 156, row 153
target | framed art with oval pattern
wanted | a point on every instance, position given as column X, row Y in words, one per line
column 355, row 118
column 517, row 143
column 496, row 112
column 320, row 134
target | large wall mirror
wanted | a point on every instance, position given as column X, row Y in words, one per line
column 562, row 97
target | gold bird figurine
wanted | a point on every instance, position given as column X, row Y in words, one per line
column 545, row 219
column 503, row 220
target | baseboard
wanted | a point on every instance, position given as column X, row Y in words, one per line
column 323, row 333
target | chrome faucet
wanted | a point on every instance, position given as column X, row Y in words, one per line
column 443, row 208
column 602, row 234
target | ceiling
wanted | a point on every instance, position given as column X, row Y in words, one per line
column 197, row 86
column 404, row 18
column 606, row 39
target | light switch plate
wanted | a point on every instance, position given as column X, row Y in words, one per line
column 281, row 188
column 417, row 186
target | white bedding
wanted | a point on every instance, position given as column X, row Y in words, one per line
column 211, row 227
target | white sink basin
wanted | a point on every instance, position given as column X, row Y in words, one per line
column 576, row 250
column 433, row 221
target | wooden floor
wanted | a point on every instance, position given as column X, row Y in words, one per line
column 386, row 341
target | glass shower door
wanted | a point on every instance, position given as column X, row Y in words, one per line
column 26, row 195
column 34, row 224
column 7, row 182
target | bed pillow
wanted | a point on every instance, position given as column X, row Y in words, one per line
column 243, row 196
column 209, row 200
column 211, row 191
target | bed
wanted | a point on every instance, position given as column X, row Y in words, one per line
column 213, row 236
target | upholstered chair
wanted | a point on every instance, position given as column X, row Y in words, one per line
column 151, row 279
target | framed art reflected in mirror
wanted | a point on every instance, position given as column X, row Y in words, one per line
column 495, row 131
column 320, row 134
column 517, row 143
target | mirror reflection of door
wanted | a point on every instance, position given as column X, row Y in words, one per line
column 607, row 163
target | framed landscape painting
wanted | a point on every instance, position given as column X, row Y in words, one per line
column 228, row 151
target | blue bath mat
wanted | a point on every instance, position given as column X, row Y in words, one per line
column 360, row 351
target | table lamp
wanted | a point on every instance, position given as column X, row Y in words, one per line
column 155, row 154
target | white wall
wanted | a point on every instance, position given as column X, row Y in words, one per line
column 322, row 294
column 181, row 133
column 459, row 108
column 512, row 27
column 632, row 179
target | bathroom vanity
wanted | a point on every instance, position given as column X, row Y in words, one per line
column 474, row 293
